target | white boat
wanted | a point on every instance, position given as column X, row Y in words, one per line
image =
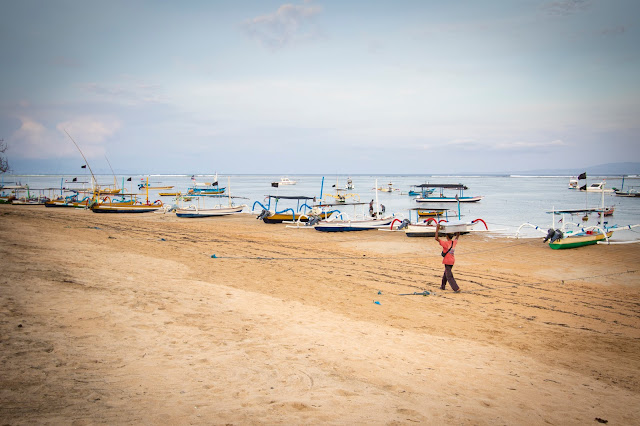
column 350, row 184
column 388, row 188
column 428, row 227
column 573, row 183
column 348, row 225
column 283, row 181
column 596, row 187
column 194, row 212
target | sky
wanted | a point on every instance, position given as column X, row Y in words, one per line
column 320, row 86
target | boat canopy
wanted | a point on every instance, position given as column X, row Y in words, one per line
column 442, row 185
column 291, row 197
column 429, row 209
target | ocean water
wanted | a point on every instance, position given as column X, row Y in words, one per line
column 509, row 201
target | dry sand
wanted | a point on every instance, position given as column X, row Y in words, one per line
column 128, row 319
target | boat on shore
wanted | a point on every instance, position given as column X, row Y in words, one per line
column 127, row 203
column 199, row 210
column 194, row 211
column 574, row 235
column 427, row 228
column 303, row 212
column 349, row 225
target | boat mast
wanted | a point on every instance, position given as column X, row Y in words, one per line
column 377, row 204
column 115, row 184
column 95, row 181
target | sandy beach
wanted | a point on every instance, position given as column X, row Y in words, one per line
column 130, row 319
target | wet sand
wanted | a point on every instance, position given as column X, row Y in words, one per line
column 129, row 319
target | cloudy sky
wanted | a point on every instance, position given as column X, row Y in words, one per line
column 321, row 86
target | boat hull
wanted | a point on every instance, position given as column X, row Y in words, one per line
column 350, row 226
column 420, row 231
column 126, row 208
column 205, row 191
column 192, row 213
column 448, row 199
column 281, row 217
column 579, row 241
column 76, row 204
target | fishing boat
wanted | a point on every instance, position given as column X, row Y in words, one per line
column 205, row 188
column 71, row 201
column 342, row 196
column 128, row 203
column 301, row 213
column 422, row 190
column 442, row 198
column 349, row 186
column 427, row 228
column 424, row 213
column 194, row 211
column 283, row 181
column 124, row 205
column 342, row 222
column 573, row 235
column 631, row 192
column 144, row 186
column 388, row 188
column 348, row 225
column 200, row 211
column 10, row 193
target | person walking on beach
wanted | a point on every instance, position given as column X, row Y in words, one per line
column 448, row 250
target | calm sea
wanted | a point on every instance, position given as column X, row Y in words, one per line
column 509, row 201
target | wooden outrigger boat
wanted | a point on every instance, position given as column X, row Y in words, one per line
column 124, row 205
column 301, row 213
column 70, row 201
column 581, row 239
column 205, row 188
column 427, row 228
column 422, row 190
column 341, row 222
column 142, row 186
column 348, row 225
column 441, row 198
column 195, row 211
column 578, row 236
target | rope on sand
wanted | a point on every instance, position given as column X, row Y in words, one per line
column 550, row 282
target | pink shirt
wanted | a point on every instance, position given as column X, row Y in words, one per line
column 449, row 259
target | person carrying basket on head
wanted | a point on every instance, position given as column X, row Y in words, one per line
column 448, row 251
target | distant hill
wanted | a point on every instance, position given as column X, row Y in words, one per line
column 609, row 169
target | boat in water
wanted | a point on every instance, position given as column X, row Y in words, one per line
column 440, row 197
column 283, row 182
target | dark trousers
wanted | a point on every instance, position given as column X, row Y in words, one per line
column 448, row 276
